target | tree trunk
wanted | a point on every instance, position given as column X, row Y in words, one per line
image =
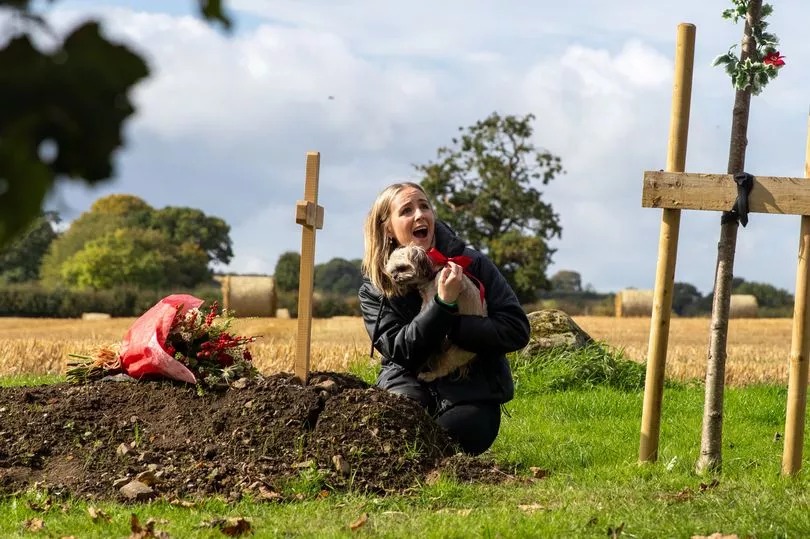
column 712, row 434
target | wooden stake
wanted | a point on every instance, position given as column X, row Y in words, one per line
column 310, row 216
column 667, row 247
column 226, row 293
column 799, row 348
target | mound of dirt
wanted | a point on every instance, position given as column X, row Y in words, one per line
column 140, row 440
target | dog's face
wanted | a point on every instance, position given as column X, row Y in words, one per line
column 409, row 265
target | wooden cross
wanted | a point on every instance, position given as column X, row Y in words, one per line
column 674, row 191
column 309, row 215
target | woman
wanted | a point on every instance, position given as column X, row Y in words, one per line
column 468, row 407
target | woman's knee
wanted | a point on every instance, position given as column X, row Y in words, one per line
column 415, row 393
column 408, row 386
column 474, row 426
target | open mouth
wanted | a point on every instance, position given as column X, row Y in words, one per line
column 420, row 233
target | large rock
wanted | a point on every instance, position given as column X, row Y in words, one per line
column 552, row 328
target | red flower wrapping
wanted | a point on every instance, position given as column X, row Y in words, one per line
column 143, row 350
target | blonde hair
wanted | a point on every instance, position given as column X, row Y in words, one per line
column 377, row 242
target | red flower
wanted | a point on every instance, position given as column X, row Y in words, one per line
column 224, row 359
column 773, row 59
column 212, row 313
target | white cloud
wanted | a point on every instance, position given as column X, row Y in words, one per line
column 225, row 121
column 643, row 66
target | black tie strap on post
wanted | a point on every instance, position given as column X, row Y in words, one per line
column 739, row 213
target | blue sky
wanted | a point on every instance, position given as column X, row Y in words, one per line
column 225, row 121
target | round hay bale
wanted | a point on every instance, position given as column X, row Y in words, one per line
column 249, row 295
column 633, row 302
column 743, row 306
column 96, row 316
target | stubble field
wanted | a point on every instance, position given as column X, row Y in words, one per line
column 758, row 349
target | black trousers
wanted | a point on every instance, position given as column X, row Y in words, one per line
column 473, row 425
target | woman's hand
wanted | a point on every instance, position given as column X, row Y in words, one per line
column 450, row 282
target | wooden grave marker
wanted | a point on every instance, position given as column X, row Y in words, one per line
column 309, row 215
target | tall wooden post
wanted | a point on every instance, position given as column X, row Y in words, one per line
column 799, row 348
column 310, row 216
column 667, row 247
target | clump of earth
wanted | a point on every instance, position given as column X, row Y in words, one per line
column 143, row 440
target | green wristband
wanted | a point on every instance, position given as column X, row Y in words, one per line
column 446, row 304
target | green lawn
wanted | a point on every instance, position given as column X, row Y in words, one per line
column 587, row 439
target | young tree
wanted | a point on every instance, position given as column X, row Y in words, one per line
column 758, row 63
column 486, row 187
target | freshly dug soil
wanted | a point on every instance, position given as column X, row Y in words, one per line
column 136, row 441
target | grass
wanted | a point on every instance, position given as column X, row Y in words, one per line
column 30, row 380
column 586, row 368
column 577, row 417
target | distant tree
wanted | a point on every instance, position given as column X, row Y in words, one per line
column 288, row 270
column 485, row 187
column 123, row 206
column 772, row 301
column 20, row 260
column 135, row 257
column 193, row 268
column 105, row 215
column 566, row 281
column 339, row 276
column 189, row 241
column 62, row 109
column 686, row 299
column 767, row 295
column 190, row 225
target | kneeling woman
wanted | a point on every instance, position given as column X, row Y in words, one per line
column 468, row 407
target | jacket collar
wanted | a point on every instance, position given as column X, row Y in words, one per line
column 447, row 241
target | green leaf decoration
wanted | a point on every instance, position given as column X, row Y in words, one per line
column 752, row 74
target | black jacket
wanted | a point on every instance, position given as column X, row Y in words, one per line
column 406, row 337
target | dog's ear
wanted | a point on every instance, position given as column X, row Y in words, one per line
column 423, row 261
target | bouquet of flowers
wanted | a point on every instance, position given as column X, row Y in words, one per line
column 174, row 339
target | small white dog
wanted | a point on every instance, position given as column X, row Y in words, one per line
column 410, row 267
